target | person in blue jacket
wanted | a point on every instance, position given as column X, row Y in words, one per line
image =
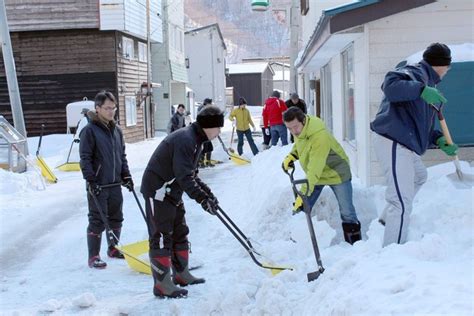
column 404, row 128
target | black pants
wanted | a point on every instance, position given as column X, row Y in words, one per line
column 110, row 201
column 167, row 224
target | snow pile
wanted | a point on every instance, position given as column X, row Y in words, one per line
column 43, row 247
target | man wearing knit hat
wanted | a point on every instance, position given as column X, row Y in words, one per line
column 404, row 130
column 171, row 171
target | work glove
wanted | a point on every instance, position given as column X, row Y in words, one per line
column 209, row 205
column 94, row 188
column 432, row 95
column 127, row 182
column 450, row 150
column 233, row 123
column 288, row 162
column 297, row 205
column 254, row 129
column 77, row 140
column 267, row 131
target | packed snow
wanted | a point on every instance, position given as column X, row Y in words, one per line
column 44, row 254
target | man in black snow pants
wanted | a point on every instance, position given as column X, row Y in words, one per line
column 172, row 170
column 103, row 161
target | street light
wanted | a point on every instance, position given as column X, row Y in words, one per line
column 260, row 5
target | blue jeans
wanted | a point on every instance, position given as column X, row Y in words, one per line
column 343, row 194
column 279, row 131
column 240, row 144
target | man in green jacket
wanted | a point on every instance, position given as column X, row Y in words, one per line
column 244, row 120
column 325, row 163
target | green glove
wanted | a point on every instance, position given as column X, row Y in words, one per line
column 450, row 150
column 289, row 162
column 432, row 95
column 297, row 205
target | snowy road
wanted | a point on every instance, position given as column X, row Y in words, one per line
column 43, row 248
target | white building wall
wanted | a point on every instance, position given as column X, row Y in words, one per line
column 130, row 16
column 162, row 54
column 393, row 38
column 206, row 65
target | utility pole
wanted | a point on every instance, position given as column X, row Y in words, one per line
column 10, row 71
column 294, row 36
column 149, row 113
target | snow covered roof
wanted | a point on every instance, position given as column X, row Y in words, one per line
column 459, row 53
column 248, row 68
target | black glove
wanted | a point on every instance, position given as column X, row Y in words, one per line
column 94, row 188
column 77, row 140
column 210, row 195
column 127, row 182
column 209, row 206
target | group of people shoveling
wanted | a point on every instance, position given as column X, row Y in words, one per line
column 404, row 128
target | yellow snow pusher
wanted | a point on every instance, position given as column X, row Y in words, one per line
column 71, row 166
column 232, row 155
column 45, row 170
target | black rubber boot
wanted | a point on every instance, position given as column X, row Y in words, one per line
column 181, row 274
column 160, row 261
column 113, row 252
column 351, row 232
column 93, row 244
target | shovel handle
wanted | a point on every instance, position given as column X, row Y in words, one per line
column 444, row 128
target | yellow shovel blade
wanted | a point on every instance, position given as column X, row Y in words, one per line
column 275, row 270
column 134, row 255
column 69, row 166
column 45, row 171
column 238, row 160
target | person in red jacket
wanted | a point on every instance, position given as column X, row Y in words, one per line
column 273, row 118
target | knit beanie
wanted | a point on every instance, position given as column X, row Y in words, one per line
column 211, row 116
column 437, row 54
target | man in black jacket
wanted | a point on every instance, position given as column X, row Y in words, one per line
column 177, row 121
column 172, row 170
column 295, row 100
column 103, row 162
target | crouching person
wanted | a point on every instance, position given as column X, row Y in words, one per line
column 103, row 161
column 325, row 163
column 172, row 170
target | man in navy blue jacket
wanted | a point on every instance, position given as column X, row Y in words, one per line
column 104, row 162
column 404, row 128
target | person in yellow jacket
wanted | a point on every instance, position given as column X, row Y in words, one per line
column 244, row 120
column 325, row 163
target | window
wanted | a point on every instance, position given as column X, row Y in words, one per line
column 326, row 96
column 130, row 111
column 142, row 51
column 348, row 93
column 128, row 48
column 304, row 5
column 176, row 38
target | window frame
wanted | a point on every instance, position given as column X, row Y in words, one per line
column 326, row 96
column 128, row 48
column 348, row 83
column 130, row 110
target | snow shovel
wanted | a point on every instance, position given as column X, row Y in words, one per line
column 136, row 254
column 70, row 166
column 307, row 210
column 45, row 170
column 131, row 251
column 232, row 140
column 245, row 242
column 460, row 179
column 234, row 157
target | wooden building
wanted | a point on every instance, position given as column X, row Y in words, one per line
column 67, row 50
column 253, row 81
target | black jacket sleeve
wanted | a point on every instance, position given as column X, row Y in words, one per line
column 86, row 151
column 184, row 171
column 174, row 123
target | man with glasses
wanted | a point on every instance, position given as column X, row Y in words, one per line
column 404, row 129
column 103, row 162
